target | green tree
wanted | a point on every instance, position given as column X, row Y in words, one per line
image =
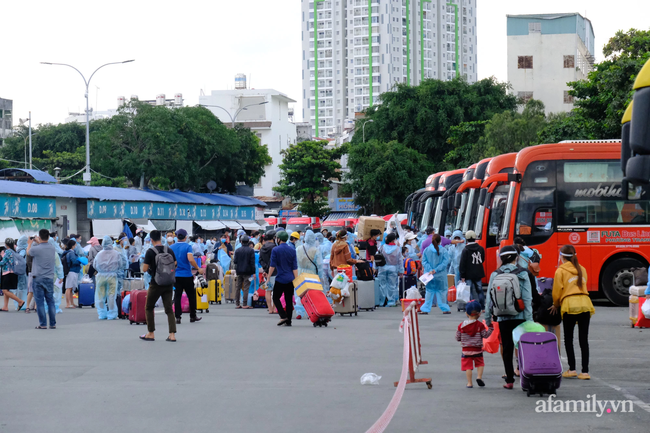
column 464, row 139
column 510, row 132
column 420, row 117
column 601, row 99
column 383, row 174
column 566, row 126
column 307, row 169
column 183, row 148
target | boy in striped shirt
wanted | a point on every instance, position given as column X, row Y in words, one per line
column 471, row 333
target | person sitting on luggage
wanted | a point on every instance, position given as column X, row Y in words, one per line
column 507, row 323
column 471, row 267
column 471, row 333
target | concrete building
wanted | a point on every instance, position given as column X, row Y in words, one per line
column 266, row 113
column 545, row 52
column 6, row 116
column 410, row 40
column 160, row 100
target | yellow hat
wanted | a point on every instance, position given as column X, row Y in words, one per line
column 295, row 235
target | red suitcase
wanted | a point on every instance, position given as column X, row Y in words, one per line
column 136, row 310
column 318, row 307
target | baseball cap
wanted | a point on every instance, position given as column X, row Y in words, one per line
column 410, row 237
column 470, row 235
column 283, row 236
column 473, row 307
column 295, row 235
column 181, row 232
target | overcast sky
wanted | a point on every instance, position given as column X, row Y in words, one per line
column 192, row 45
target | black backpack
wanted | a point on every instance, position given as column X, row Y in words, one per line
column 542, row 314
column 65, row 263
column 364, row 273
column 380, row 260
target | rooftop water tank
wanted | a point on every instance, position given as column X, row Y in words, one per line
column 240, row 81
column 160, row 99
column 121, row 101
column 178, row 99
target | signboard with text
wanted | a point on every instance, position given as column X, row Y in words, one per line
column 345, row 204
column 166, row 211
column 27, row 207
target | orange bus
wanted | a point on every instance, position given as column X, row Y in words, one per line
column 492, row 198
column 422, row 203
column 467, row 194
column 571, row 193
column 444, row 217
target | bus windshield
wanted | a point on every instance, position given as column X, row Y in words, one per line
column 470, row 214
column 497, row 210
column 462, row 212
column 503, row 234
column 427, row 213
column 437, row 216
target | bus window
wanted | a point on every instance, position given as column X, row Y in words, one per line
column 589, row 212
column 438, row 215
column 497, row 211
column 450, row 219
column 505, row 227
column 535, row 214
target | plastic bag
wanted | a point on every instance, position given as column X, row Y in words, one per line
column 463, row 292
column 527, row 326
column 645, row 309
column 492, row 343
column 412, row 293
column 370, row 379
column 340, row 281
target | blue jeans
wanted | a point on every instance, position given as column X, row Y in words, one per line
column 388, row 284
column 476, row 292
column 437, row 288
column 44, row 291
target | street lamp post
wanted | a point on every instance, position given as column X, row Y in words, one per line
column 363, row 129
column 86, row 176
column 233, row 118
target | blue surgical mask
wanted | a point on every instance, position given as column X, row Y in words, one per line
column 223, row 240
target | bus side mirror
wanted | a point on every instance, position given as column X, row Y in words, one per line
column 481, row 196
column 451, row 202
column 626, row 150
column 458, row 200
column 514, row 177
column 637, row 169
column 445, row 205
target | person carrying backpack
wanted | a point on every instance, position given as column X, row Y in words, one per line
column 160, row 263
column 10, row 279
column 71, row 269
column 509, row 302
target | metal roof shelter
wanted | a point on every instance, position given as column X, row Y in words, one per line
column 104, row 193
column 26, row 175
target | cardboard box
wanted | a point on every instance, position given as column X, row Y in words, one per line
column 451, row 280
column 367, row 223
column 306, row 282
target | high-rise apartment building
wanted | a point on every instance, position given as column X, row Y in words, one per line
column 361, row 48
column 545, row 52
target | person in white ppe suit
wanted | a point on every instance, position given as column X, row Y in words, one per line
column 107, row 264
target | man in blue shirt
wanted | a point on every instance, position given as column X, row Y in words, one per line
column 283, row 258
column 184, row 278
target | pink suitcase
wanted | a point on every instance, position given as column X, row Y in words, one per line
column 318, row 307
column 136, row 310
column 185, row 303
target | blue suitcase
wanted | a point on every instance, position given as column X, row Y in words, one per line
column 86, row 295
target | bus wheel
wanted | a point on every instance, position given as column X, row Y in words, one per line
column 618, row 278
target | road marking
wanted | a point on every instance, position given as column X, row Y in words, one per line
column 634, row 398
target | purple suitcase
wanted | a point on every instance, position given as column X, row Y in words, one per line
column 539, row 363
column 544, row 283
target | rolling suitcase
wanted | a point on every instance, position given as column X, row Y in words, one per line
column 136, row 309
column 229, row 288
column 406, row 282
column 318, row 308
column 212, row 271
column 212, row 291
column 539, row 363
column 202, row 303
column 366, row 295
column 349, row 304
column 86, row 296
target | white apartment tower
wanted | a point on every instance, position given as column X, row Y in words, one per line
column 382, row 42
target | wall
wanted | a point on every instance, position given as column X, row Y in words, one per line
column 547, row 80
column 67, row 207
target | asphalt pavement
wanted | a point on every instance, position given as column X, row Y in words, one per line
column 235, row 371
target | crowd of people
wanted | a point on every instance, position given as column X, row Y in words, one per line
column 37, row 270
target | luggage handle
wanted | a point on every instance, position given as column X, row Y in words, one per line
column 537, row 343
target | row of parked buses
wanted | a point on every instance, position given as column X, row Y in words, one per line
column 549, row 195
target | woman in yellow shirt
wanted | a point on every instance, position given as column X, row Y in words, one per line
column 571, row 297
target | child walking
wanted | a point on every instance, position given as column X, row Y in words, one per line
column 471, row 333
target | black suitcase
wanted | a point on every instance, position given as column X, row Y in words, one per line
column 364, row 271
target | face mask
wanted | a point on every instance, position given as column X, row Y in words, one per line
column 223, row 240
column 170, row 240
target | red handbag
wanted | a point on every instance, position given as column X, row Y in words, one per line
column 492, row 343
